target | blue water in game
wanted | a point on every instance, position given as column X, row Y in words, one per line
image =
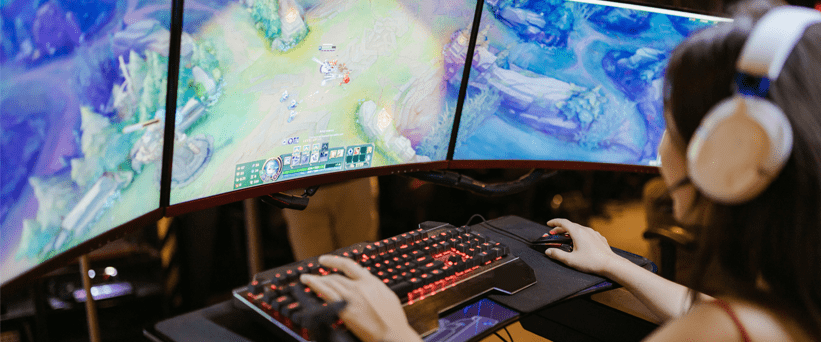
column 563, row 80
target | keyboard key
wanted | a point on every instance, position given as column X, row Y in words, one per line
column 397, row 278
column 423, row 260
column 401, row 289
column 426, row 278
column 436, row 275
column 448, row 270
column 380, row 247
column 427, row 267
column 479, row 236
column 422, row 233
column 416, row 254
column 371, row 251
column 416, row 236
column 269, row 294
column 462, row 247
column 255, row 286
column 405, row 249
column 290, row 275
column 446, row 246
column 279, row 279
column 454, row 259
column 290, row 309
column 416, row 282
column 389, row 244
column 483, row 257
column 397, row 241
column 281, row 301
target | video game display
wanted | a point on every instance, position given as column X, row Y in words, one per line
column 272, row 90
column 83, row 95
column 570, row 80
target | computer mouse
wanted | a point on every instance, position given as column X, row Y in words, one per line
column 554, row 238
column 560, row 241
column 542, row 247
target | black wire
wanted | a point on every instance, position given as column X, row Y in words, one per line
column 499, row 336
column 497, row 229
column 508, row 334
column 475, row 216
column 505, row 232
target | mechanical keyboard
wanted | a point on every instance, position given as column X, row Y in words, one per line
column 430, row 270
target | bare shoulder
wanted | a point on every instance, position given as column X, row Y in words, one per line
column 710, row 322
column 705, row 322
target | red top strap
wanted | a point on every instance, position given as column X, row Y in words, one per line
column 726, row 307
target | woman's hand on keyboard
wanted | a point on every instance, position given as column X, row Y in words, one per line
column 591, row 253
column 373, row 312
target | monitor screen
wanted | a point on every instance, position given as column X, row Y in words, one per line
column 578, row 81
column 272, row 91
column 83, row 106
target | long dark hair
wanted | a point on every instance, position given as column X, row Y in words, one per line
column 768, row 249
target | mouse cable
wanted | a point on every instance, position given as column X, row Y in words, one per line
column 505, row 232
column 508, row 334
column 499, row 336
column 496, row 229
column 475, row 216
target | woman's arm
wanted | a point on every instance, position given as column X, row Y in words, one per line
column 592, row 254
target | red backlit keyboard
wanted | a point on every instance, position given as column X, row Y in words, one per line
column 430, row 270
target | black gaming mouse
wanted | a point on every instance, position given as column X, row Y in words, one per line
column 560, row 241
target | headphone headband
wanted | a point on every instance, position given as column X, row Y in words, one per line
column 772, row 40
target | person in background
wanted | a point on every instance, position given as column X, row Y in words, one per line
column 338, row 215
column 764, row 242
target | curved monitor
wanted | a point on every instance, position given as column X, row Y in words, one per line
column 83, row 100
column 569, row 84
column 277, row 94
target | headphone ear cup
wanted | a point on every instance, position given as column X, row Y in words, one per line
column 731, row 157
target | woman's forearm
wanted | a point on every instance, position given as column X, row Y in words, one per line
column 665, row 298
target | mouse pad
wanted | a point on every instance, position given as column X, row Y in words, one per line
column 554, row 280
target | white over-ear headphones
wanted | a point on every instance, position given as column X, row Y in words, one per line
column 744, row 141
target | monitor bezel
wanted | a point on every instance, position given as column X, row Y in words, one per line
column 298, row 183
column 67, row 257
column 551, row 165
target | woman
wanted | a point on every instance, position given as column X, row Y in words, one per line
column 766, row 250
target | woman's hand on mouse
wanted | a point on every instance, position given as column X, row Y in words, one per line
column 373, row 312
column 591, row 253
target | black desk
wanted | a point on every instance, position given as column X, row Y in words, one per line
column 571, row 316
